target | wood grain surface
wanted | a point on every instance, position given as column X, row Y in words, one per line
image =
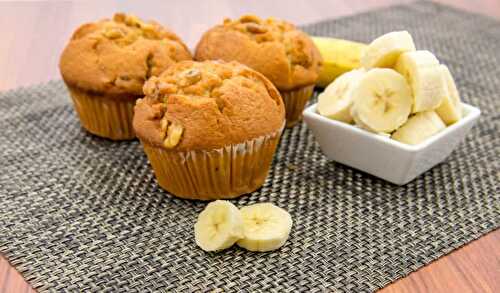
column 34, row 33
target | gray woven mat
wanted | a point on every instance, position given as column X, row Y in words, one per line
column 80, row 213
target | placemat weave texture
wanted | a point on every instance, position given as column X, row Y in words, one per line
column 80, row 213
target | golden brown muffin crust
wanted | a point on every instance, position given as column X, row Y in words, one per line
column 211, row 104
column 275, row 48
column 117, row 56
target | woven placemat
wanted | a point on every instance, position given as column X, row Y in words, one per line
column 82, row 213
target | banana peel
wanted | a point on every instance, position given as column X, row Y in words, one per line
column 339, row 56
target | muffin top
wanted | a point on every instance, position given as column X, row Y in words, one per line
column 117, row 56
column 275, row 48
column 207, row 105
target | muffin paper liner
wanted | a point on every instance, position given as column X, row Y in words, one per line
column 103, row 116
column 214, row 174
column 295, row 101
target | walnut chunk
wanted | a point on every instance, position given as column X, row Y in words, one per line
column 127, row 39
column 190, row 77
column 149, row 31
column 193, row 75
column 119, row 17
column 124, row 81
column 256, row 28
column 158, row 110
column 150, row 88
column 132, row 20
column 113, row 33
column 147, row 26
column 250, row 18
column 163, row 126
column 166, row 88
column 261, row 38
column 174, row 134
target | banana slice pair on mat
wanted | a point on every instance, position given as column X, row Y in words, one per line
column 398, row 92
column 258, row 227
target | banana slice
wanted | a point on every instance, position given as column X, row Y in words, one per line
column 382, row 100
column 362, row 125
column 450, row 109
column 266, row 227
column 421, row 58
column 385, row 50
column 336, row 100
column 219, row 226
column 339, row 56
column 419, row 127
column 359, row 123
column 421, row 69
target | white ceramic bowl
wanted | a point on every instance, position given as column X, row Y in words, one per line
column 381, row 156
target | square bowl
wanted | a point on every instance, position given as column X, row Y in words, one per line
column 384, row 157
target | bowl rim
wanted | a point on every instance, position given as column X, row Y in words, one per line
column 470, row 112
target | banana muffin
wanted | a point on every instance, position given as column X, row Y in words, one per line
column 209, row 129
column 275, row 48
column 105, row 65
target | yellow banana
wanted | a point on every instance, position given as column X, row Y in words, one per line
column 339, row 56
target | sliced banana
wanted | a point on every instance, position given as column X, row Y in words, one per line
column 266, row 227
column 419, row 127
column 384, row 51
column 219, row 226
column 450, row 109
column 336, row 100
column 421, row 69
column 382, row 100
column 421, row 58
column 359, row 123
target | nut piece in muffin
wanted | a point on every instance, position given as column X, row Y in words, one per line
column 105, row 65
column 275, row 48
column 209, row 129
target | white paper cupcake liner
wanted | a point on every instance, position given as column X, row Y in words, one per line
column 214, row 174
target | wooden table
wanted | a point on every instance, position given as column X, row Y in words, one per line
column 34, row 33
